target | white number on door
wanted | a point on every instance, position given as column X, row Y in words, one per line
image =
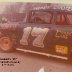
column 40, row 34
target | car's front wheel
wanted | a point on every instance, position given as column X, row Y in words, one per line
column 6, row 44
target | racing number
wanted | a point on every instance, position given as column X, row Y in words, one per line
column 38, row 32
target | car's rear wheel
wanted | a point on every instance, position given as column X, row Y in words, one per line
column 6, row 44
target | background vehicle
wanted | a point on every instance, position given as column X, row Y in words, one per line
column 45, row 30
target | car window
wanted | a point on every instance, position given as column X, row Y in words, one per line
column 40, row 17
column 69, row 16
column 61, row 19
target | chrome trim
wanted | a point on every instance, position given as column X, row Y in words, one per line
column 46, row 54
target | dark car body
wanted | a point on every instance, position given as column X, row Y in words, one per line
column 43, row 30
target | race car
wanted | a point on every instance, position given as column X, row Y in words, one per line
column 45, row 30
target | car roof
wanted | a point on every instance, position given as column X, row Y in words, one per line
column 52, row 7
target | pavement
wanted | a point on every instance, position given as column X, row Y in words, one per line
column 33, row 63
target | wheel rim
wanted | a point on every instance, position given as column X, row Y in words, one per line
column 5, row 43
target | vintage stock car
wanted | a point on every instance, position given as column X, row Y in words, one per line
column 45, row 30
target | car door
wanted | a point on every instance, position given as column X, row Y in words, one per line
column 38, row 32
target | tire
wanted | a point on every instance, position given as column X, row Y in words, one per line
column 6, row 44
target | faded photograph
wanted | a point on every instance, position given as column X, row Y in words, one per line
column 35, row 37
